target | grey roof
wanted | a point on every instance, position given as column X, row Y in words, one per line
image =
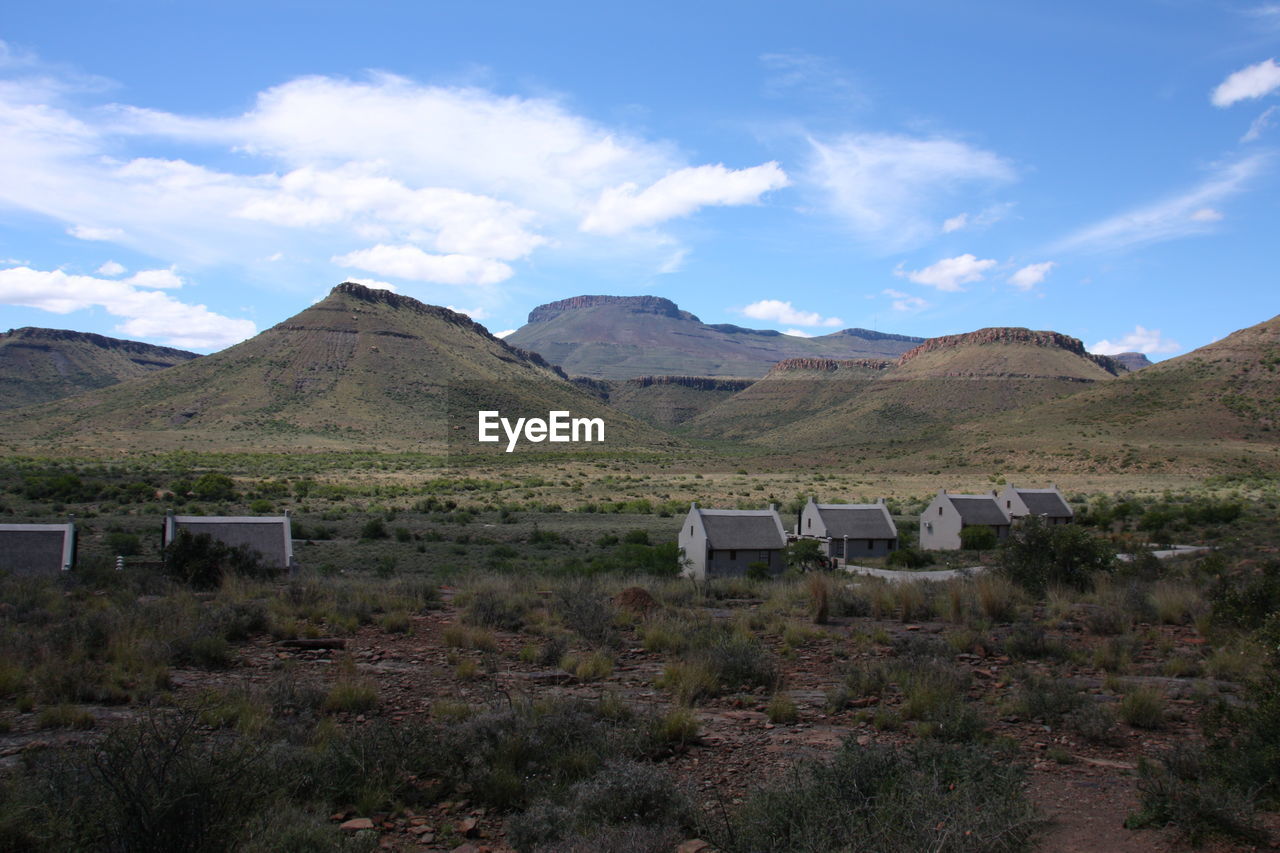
column 857, row 521
column 1045, row 502
column 268, row 535
column 29, row 550
column 978, row 509
column 742, row 528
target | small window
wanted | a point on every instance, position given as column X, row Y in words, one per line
column 1008, row 504
column 939, row 510
column 810, row 524
column 764, row 557
column 733, row 555
column 690, row 529
column 871, row 544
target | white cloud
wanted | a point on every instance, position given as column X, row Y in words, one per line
column 1031, row 275
column 797, row 333
column 159, row 279
column 680, row 193
column 983, row 219
column 887, row 188
column 1255, row 81
column 148, row 314
column 807, row 74
column 1141, row 339
column 504, row 333
column 111, row 268
column 476, row 314
column 1206, row 214
column 1259, row 125
column 949, row 273
column 1179, row 216
column 412, row 263
column 905, row 301
column 89, row 232
column 777, row 311
column 472, row 177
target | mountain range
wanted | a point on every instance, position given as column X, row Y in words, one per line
column 625, row 337
column 362, row 368
column 370, row 369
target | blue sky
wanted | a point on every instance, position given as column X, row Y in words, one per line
column 191, row 173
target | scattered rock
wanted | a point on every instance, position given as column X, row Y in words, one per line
column 356, row 824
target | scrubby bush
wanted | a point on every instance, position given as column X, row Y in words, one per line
column 908, row 558
column 926, row 796
column 202, row 561
column 1037, row 555
column 978, row 537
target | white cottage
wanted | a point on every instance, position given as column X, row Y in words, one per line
column 948, row 514
column 1048, row 503
column 849, row 531
column 718, row 543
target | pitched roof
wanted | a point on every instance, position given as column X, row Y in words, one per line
column 1045, row 502
column 978, row 509
column 742, row 528
column 857, row 521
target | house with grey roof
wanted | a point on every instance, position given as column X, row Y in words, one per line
column 948, row 514
column 849, row 531
column 270, row 536
column 37, row 549
column 1048, row 504
column 717, row 543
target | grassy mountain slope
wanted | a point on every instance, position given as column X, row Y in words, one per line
column 668, row 401
column 1223, row 393
column 623, row 337
column 942, row 382
column 360, row 369
column 38, row 365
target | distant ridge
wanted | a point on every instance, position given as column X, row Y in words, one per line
column 638, row 304
column 808, row 402
column 625, row 337
column 1013, row 335
column 1133, row 361
column 38, row 365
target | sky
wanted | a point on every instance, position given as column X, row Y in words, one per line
column 191, row 173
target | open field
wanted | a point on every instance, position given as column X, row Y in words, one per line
column 487, row 655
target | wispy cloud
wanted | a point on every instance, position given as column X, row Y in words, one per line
column 888, row 188
column 1189, row 213
column 777, row 311
column 905, row 301
column 949, row 273
column 679, row 194
column 812, row 76
column 1259, row 125
column 1032, row 274
column 1141, row 339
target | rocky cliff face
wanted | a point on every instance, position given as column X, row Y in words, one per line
column 1012, row 335
column 638, row 304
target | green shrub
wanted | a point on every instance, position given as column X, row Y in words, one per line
column 1143, row 709
column 908, row 558
column 373, row 529
column 978, row 537
column 124, row 544
column 1186, row 789
column 201, row 561
column 1037, row 555
column 214, row 487
column 924, row 796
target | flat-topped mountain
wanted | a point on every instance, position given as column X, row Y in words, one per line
column 361, row 368
column 1133, row 361
column 943, row 381
column 38, row 365
column 625, row 337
